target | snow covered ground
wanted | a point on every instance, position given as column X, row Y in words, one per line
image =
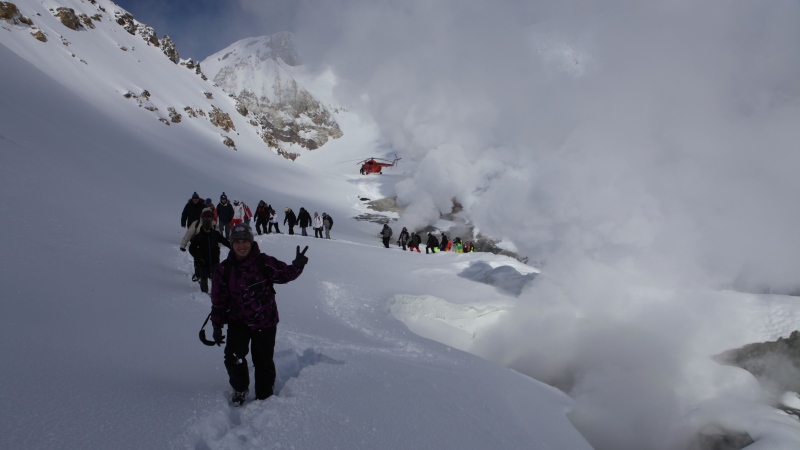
column 377, row 348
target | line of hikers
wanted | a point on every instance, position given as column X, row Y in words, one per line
column 208, row 227
column 413, row 241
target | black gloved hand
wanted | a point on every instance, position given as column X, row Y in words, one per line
column 301, row 259
column 219, row 339
column 183, row 249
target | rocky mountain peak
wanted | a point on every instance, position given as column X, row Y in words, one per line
column 260, row 73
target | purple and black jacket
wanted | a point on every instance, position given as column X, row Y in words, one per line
column 247, row 296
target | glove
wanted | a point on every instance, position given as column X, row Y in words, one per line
column 183, row 249
column 301, row 259
column 219, row 339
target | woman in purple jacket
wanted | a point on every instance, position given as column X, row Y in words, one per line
column 243, row 297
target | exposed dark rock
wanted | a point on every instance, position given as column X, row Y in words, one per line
column 209, row 95
column 221, row 119
column 68, row 18
column 38, row 34
column 9, row 12
column 776, row 365
column 174, row 115
column 127, row 22
column 86, row 21
column 169, row 49
column 374, row 218
column 229, row 142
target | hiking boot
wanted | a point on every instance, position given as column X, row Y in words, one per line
column 239, row 397
column 194, row 278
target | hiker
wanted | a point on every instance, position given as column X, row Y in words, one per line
column 191, row 214
column 243, row 297
column 386, row 234
column 459, row 245
column 204, row 248
column 290, row 218
column 248, row 214
column 210, row 204
column 273, row 220
column 224, row 215
column 239, row 213
column 195, row 227
column 261, row 216
column 327, row 223
column 317, row 225
column 403, row 238
column 414, row 242
column 432, row 244
column 445, row 246
column 303, row 220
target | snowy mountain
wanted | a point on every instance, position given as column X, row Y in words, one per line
column 86, row 37
column 261, row 74
column 376, row 348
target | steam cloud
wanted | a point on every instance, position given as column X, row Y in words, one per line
column 644, row 150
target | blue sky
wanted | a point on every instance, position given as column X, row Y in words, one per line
column 202, row 27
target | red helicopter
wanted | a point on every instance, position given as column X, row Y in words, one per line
column 376, row 165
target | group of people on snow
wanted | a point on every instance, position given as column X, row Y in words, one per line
column 414, row 240
column 227, row 215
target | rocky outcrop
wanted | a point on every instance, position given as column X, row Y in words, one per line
column 149, row 35
column 292, row 114
column 253, row 71
column 169, row 49
column 10, row 13
column 68, row 18
column 221, row 119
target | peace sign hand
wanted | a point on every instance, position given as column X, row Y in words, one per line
column 301, row 259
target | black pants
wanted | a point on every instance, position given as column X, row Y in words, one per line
column 204, row 272
column 274, row 224
column 261, row 226
column 291, row 228
column 386, row 241
column 317, row 232
column 241, row 340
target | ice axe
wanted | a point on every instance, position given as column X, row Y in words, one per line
column 203, row 333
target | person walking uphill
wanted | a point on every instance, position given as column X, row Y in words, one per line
column 327, row 223
column 317, row 225
column 243, row 297
column 205, row 250
column 432, row 244
column 290, row 218
column 386, row 234
column 261, row 216
column 414, row 242
column 303, row 220
column 402, row 240
column 191, row 217
column 224, row 215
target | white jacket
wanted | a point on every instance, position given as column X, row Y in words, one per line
column 239, row 211
column 317, row 221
